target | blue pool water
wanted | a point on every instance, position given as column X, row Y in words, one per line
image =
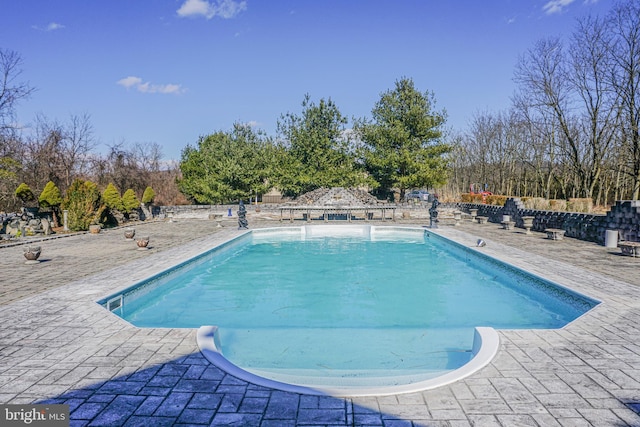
column 389, row 303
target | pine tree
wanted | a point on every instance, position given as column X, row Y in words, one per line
column 148, row 195
column 112, row 199
column 130, row 201
column 51, row 198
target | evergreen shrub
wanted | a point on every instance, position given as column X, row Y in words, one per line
column 24, row 193
column 84, row 203
column 130, row 201
column 148, row 195
column 50, row 196
column 111, row 198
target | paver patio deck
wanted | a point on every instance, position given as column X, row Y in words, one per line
column 58, row 346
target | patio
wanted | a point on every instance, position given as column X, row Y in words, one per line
column 58, row 346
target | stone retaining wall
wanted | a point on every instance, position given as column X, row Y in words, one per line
column 195, row 211
column 623, row 217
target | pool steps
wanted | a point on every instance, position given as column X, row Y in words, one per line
column 486, row 342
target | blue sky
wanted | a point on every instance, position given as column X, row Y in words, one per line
column 169, row 71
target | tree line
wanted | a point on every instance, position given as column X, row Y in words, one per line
column 571, row 131
column 400, row 147
column 61, row 152
column 573, row 127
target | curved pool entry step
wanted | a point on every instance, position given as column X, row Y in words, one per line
column 485, row 346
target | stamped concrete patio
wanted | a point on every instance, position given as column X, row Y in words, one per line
column 58, row 346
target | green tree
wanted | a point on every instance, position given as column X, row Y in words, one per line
column 111, row 198
column 84, row 203
column 225, row 166
column 316, row 150
column 51, row 198
column 130, row 201
column 24, row 193
column 148, row 195
column 402, row 147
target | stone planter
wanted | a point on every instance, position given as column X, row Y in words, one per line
column 474, row 214
column 457, row 216
column 527, row 222
column 129, row 233
column 32, row 253
column 95, row 228
column 508, row 225
column 143, row 243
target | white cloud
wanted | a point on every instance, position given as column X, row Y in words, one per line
column 223, row 8
column 130, row 81
column 147, row 87
column 53, row 26
column 194, row 7
column 556, row 6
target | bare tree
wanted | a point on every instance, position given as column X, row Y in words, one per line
column 590, row 61
column 572, row 87
column 624, row 23
column 147, row 156
column 494, row 145
column 77, row 145
column 59, row 152
column 11, row 90
column 11, row 151
column 539, row 151
column 122, row 168
column 41, row 147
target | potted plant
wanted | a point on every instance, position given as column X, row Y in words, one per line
column 94, row 228
column 143, row 243
column 129, row 233
column 31, row 253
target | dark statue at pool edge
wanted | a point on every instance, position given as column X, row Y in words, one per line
column 433, row 214
column 242, row 216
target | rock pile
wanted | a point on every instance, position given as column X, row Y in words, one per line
column 337, row 196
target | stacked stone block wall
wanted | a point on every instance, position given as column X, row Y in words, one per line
column 623, row 217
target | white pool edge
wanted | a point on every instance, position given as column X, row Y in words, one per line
column 486, row 342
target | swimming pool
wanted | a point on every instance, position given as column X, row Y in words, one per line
column 346, row 306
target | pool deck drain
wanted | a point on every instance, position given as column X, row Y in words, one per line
column 58, row 346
